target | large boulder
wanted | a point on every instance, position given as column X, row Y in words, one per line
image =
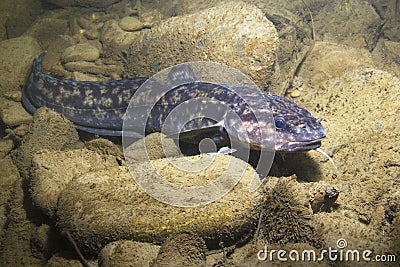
column 234, row 33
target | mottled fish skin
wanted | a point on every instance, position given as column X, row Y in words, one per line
column 96, row 107
column 99, row 107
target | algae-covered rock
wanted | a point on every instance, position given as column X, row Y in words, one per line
column 12, row 113
column 233, row 33
column 182, row 250
column 103, row 206
column 128, row 253
column 48, row 131
column 330, row 60
column 49, row 178
column 8, row 177
column 15, row 66
column 285, row 218
column 154, row 146
column 16, row 244
column 44, row 242
column 67, row 259
column 395, row 232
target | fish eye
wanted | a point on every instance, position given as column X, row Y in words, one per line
column 280, row 122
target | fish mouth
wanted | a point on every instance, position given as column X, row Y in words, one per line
column 298, row 146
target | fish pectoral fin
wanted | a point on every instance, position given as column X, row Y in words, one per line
column 197, row 133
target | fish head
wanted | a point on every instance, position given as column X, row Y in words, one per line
column 296, row 128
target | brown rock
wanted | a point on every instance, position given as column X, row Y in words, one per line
column 128, row 253
column 203, row 36
column 130, row 24
column 48, row 131
column 81, row 52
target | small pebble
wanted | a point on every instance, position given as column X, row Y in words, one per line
column 130, row 24
column 295, row 93
column 81, row 52
column 14, row 95
column 79, row 76
column 91, row 67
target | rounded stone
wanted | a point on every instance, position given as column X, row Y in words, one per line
column 80, row 52
column 103, row 206
column 112, row 34
column 236, row 34
column 130, row 24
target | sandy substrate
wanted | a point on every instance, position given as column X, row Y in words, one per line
column 57, row 183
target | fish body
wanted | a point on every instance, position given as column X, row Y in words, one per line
column 100, row 107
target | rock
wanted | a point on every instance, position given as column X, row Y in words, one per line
column 182, row 250
column 13, row 95
column 157, row 147
column 13, row 113
column 119, row 209
column 16, row 56
column 286, row 219
column 20, row 227
column 295, row 93
column 78, row 76
column 355, row 24
column 151, row 18
column 49, row 180
column 17, row 16
column 45, row 30
column 130, row 24
column 395, row 232
column 203, row 36
column 6, row 145
column 386, row 55
column 92, row 34
column 67, row 259
column 128, row 253
column 104, row 147
column 8, row 176
column 44, row 242
column 48, row 131
column 80, row 52
column 91, row 67
column 113, row 35
column 54, row 52
column 360, row 110
column 85, row 3
column 328, row 60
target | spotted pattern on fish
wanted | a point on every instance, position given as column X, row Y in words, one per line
column 99, row 107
